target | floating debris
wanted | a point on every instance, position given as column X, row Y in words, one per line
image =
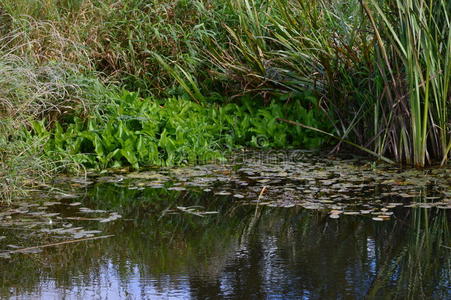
column 66, row 196
column 44, row 223
column 86, row 210
column 351, row 213
column 13, row 246
column 51, row 203
column 51, row 215
column 223, row 193
column 112, row 217
column 195, row 211
column 156, row 186
column 177, row 188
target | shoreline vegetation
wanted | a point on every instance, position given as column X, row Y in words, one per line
column 102, row 84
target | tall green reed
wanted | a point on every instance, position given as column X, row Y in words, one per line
column 416, row 34
column 382, row 68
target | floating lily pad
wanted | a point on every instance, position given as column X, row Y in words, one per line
column 223, row 193
column 177, row 188
column 30, row 251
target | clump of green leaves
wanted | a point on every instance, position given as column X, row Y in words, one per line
column 135, row 131
column 143, row 131
column 252, row 125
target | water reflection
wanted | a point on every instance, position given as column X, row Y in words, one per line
column 242, row 252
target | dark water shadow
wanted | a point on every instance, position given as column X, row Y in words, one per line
column 195, row 245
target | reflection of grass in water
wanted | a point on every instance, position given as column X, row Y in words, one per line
column 155, row 245
column 361, row 258
column 423, row 262
column 170, row 243
column 319, row 250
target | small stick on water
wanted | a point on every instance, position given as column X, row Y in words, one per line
column 57, row 244
column 83, row 219
column 261, row 194
column 254, row 219
column 259, row 198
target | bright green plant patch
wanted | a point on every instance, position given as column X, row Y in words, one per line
column 142, row 132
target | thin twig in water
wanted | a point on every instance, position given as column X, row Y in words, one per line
column 261, row 194
column 259, row 198
column 84, row 219
column 57, row 244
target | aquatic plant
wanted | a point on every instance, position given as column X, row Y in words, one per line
column 136, row 131
column 382, row 68
column 414, row 42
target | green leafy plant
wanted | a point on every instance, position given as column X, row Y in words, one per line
column 143, row 131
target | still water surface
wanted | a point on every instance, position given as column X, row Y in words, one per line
column 197, row 244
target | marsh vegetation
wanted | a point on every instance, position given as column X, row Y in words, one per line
column 226, row 130
column 373, row 74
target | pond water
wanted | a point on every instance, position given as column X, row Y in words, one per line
column 295, row 226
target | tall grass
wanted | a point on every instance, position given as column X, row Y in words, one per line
column 118, row 38
column 292, row 46
column 29, row 91
column 23, row 164
column 417, row 37
column 383, row 68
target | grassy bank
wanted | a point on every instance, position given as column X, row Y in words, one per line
column 30, row 91
column 373, row 73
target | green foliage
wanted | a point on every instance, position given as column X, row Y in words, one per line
column 141, row 132
column 22, row 163
column 382, row 66
column 255, row 125
column 31, row 91
column 416, row 39
column 118, row 38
